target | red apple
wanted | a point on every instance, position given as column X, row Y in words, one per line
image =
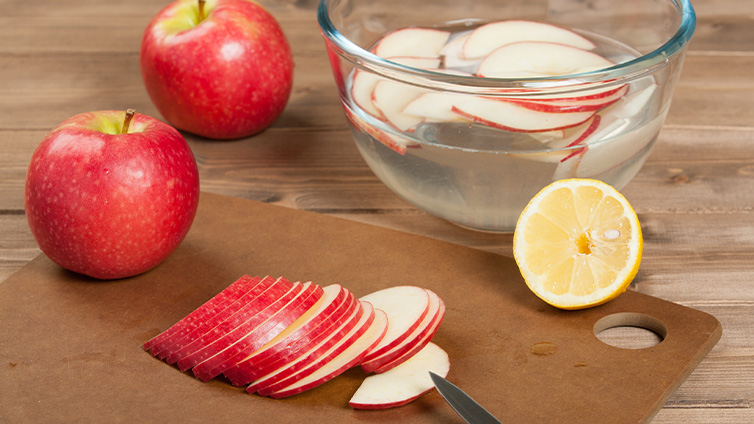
column 208, row 310
column 222, row 70
column 111, row 194
column 254, row 337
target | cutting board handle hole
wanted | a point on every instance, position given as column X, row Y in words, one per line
column 630, row 330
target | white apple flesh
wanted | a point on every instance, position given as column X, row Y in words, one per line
column 532, row 59
column 485, row 39
column 416, row 42
column 404, row 383
column 413, row 344
column 405, row 306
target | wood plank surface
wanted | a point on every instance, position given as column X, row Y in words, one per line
column 694, row 196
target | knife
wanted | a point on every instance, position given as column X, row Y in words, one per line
column 463, row 404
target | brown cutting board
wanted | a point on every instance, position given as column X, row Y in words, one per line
column 70, row 347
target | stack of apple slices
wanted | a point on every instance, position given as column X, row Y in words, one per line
column 504, row 49
column 280, row 338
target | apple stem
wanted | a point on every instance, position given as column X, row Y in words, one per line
column 127, row 121
column 201, row 10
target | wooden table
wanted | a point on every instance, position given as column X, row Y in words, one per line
column 694, row 196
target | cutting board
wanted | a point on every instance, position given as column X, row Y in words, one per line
column 70, row 347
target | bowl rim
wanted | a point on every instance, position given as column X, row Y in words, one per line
column 614, row 75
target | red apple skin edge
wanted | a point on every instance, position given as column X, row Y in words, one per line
column 227, row 77
column 111, row 205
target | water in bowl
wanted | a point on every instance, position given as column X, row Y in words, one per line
column 481, row 177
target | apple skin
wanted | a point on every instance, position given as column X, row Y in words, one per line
column 227, row 77
column 111, row 205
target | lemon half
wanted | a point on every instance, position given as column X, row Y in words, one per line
column 578, row 243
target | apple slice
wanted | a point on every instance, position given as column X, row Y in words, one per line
column 311, row 326
column 587, row 104
column 268, row 287
column 453, row 58
column 253, row 333
column 487, row 38
column 530, row 59
column 405, row 306
column 412, row 344
column 416, row 42
column 363, row 82
column 390, row 97
column 435, row 106
column 313, row 351
column 509, row 116
column 333, row 366
column 209, row 309
column 391, row 141
column 404, row 383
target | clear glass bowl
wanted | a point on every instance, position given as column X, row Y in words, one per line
column 475, row 149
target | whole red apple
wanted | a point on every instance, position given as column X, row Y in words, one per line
column 111, row 194
column 221, row 69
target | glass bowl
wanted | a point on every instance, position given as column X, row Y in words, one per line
column 466, row 109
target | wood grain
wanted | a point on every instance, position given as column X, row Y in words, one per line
column 694, row 196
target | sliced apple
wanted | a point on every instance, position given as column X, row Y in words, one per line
column 363, row 82
column 312, row 352
column 390, row 97
column 253, row 333
column 391, row 141
column 453, row 58
column 209, row 309
column 306, row 312
column 405, row 306
column 415, row 42
column 404, row 383
column 269, row 288
column 346, row 359
column 512, row 117
column 435, row 106
column 414, row 342
column 530, row 59
column 487, row 38
column 276, row 352
column 587, row 104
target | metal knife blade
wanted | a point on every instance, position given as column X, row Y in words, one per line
column 463, row 404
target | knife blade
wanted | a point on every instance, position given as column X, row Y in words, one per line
column 463, row 404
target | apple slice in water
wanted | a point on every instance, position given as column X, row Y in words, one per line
column 509, row 116
column 453, row 58
column 363, row 82
column 416, row 42
column 404, row 383
column 531, row 59
column 390, row 97
column 487, row 38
